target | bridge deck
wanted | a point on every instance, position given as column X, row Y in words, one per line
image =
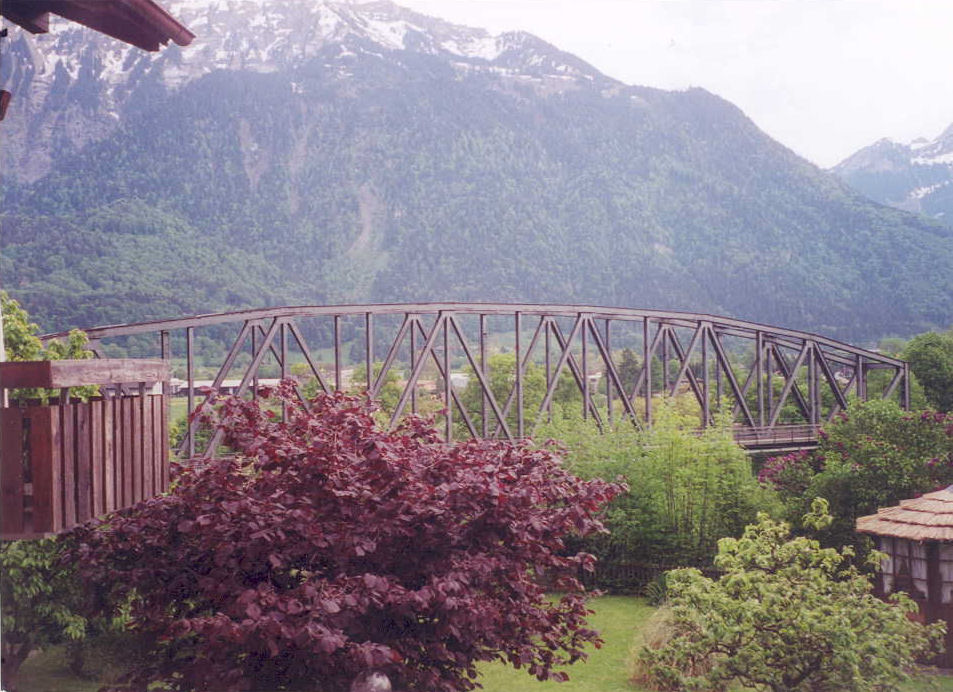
column 780, row 438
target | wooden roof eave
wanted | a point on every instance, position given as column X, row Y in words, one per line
column 926, row 518
column 141, row 23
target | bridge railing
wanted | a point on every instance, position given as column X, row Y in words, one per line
column 615, row 364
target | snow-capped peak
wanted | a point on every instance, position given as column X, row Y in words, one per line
column 378, row 21
column 267, row 36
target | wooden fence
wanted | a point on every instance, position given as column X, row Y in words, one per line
column 68, row 461
column 634, row 577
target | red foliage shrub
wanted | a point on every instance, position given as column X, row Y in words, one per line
column 331, row 547
column 791, row 474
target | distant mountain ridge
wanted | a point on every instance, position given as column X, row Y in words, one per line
column 96, row 76
column 916, row 177
column 321, row 152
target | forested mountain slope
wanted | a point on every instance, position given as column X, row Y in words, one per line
column 307, row 152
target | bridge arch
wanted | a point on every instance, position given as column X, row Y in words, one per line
column 779, row 384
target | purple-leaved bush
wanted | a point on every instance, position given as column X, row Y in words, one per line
column 330, row 547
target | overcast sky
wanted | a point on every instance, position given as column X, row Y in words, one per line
column 824, row 77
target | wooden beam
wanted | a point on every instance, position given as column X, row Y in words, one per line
column 56, row 374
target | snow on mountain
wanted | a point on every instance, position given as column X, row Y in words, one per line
column 95, row 74
column 265, row 35
column 915, row 176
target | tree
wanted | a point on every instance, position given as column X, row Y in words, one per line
column 629, row 369
column 390, row 391
column 931, row 360
column 501, row 378
column 22, row 343
column 687, row 488
column 40, row 600
column 37, row 590
column 19, row 333
column 786, row 616
column 330, row 547
column 871, row 456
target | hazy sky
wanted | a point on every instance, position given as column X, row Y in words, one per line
column 824, row 77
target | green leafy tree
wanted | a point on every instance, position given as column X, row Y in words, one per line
column 687, row 488
column 502, row 379
column 390, row 391
column 931, row 360
column 629, row 369
column 36, row 588
column 21, row 343
column 786, row 616
column 40, row 600
column 872, row 456
column 19, row 333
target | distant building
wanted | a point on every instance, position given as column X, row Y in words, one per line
column 201, row 387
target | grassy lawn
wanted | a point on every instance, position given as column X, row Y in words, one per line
column 618, row 618
column 48, row 672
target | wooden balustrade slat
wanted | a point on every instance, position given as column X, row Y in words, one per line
column 84, row 467
column 109, row 455
column 158, row 411
column 127, row 460
column 97, row 461
column 162, row 411
column 44, row 441
column 135, row 434
column 145, row 417
column 68, row 462
column 11, row 471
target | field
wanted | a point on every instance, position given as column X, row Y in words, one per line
column 620, row 619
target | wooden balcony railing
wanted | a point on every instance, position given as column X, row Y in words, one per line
column 66, row 461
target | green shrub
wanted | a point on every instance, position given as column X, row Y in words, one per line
column 786, row 616
column 40, row 601
column 872, row 456
column 687, row 488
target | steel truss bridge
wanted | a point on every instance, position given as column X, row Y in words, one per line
column 779, row 384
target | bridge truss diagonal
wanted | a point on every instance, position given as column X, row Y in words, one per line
column 777, row 385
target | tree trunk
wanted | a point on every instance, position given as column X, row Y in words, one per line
column 14, row 654
column 76, row 656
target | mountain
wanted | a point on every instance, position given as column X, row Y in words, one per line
column 916, row 177
column 321, row 152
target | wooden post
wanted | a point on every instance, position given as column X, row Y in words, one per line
column 934, row 582
column 11, row 471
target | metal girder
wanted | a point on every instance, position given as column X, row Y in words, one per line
column 517, row 383
column 790, row 382
column 834, row 368
column 612, row 377
column 484, row 383
column 581, row 381
column 251, row 373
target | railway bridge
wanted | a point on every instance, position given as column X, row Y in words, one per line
column 777, row 385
